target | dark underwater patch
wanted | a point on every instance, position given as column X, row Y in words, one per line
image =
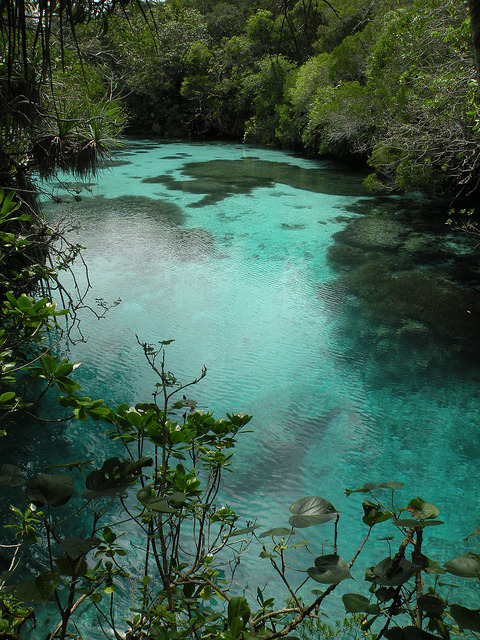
column 224, row 178
column 411, row 284
column 293, row 227
column 123, row 206
column 176, row 156
column 106, row 164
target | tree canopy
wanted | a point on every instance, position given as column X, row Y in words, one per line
column 390, row 83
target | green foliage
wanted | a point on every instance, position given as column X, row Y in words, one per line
column 24, row 318
column 265, row 90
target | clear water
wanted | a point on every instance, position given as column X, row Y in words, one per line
column 227, row 249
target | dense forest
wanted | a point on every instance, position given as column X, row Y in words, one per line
column 389, row 83
column 392, row 85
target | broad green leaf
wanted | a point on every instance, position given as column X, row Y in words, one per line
column 75, row 547
column 410, row 523
column 422, row 510
column 382, row 574
column 10, row 476
column 8, row 395
column 238, row 608
column 467, row 566
column 236, row 626
column 356, row 603
column 206, row 593
column 243, row 532
column 114, row 477
column 329, row 569
column 46, row 583
column 159, row 505
column 145, row 494
column 466, row 618
column 49, row 363
column 431, row 566
column 69, row 567
column 384, row 594
column 50, row 488
column 279, row 531
column 370, row 486
column 65, row 368
column 431, row 604
column 408, row 633
column 27, row 591
column 311, row 511
column 374, row 514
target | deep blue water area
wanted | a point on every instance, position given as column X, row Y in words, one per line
column 346, row 324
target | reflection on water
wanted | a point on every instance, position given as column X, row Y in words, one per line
column 342, row 322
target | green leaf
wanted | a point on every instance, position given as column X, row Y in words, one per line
column 159, row 505
column 49, row 488
column 409, row 523
column 46, row 583
column 67, row 385
column 10, row 476
column 430, row 566
column 75, row 547
column 431, row 604
column 243, row 532
column 408, row 633
column 391, row 485
column 49, row 363
column 467, row 566
column 329, row 569
column 65, row 368
column 370, row 486
column 356, row 603
column 279, row 531
column 238, row 608
column 311, row 511
column 383, row 575
column 422, row 510
column 466, row 618
column 69, row 567
column 114, row 477
column 27, row 591
column 206, row 593
column 374, row 514
column 236, row 626
column 8, row 395
column 384, row 594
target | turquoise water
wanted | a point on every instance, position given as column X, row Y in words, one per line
column 237, row 254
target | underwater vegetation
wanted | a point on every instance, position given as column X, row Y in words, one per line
column 220, row 179
column 411, row 284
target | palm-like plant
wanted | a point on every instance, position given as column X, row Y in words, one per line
column 47, row 121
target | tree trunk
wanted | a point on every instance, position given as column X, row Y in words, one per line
column 474, row 11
